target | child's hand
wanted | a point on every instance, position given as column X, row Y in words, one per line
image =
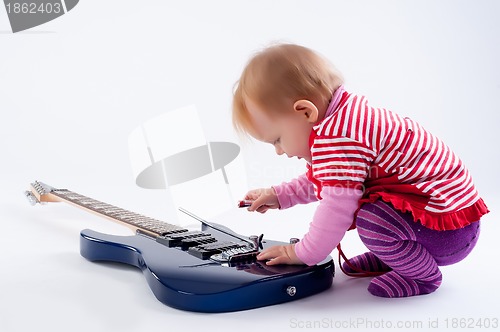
column 263, row 199
column 280, row 255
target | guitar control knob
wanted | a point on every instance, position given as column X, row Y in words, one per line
column 291, row 290
column 257, row 241
column 294, row 240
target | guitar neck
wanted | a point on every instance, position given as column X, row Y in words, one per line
column 135, row 221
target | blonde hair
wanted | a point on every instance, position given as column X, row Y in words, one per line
column 278, row 76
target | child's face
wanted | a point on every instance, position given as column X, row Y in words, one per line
column 288, row 132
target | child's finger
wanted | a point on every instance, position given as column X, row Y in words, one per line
column 262, row 208
column 266, row 254
column 257, row 203
column 252, row 195
column 278, row 260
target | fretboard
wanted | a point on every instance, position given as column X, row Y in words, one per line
column 134, row 220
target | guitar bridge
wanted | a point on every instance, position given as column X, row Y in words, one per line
column 236, row 256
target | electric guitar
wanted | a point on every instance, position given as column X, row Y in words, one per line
column 211, row 270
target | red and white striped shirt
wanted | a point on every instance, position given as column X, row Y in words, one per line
column 393, row 158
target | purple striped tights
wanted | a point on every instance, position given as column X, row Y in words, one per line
column 406, row 251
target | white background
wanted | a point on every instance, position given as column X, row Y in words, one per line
column 73, row 89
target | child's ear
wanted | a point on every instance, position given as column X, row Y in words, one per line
column 308, row 109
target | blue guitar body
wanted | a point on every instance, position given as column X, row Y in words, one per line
column 185, row 282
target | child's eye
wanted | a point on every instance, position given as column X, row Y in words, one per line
column 277, row 141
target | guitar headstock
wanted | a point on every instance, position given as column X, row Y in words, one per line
column 40, row 192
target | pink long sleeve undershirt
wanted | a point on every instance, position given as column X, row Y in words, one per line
column 332, row 218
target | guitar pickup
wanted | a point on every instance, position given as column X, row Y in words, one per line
column 205, row 251
column 193, row 242
column 175, row 240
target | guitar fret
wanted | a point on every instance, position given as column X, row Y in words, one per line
column 137, row 220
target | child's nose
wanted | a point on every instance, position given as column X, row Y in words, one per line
column 279, row 150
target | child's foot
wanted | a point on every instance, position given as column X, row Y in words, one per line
column 366, row 262
column 391, row 284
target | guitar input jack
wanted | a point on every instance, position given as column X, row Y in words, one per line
column 291, row 290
